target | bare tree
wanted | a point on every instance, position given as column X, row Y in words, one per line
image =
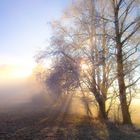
column 91, row 48
column 126, row 27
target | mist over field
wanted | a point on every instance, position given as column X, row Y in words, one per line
column 27, row 107
column 17, row 92
column 27, row 91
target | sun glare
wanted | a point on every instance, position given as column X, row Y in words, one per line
column 21, row 72
column 11, row 72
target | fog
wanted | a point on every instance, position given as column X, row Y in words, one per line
column 16, row 92
column 29, row 92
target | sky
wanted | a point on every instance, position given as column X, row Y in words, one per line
column 24, row 30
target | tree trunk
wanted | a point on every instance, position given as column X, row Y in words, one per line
column 101, row 102
column 102, row 110
column 122, row 90
column 120, row 70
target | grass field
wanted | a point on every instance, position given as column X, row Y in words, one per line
column 34, row 122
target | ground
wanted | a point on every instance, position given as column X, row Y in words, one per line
column 32, row 122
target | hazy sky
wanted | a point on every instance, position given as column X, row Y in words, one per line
column 23, row 28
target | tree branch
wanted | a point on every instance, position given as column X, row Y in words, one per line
column 131, row 34
column 133, row 83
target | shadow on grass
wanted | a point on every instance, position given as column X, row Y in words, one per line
column 86, row 130
column 89, row 129
column 121, row 132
